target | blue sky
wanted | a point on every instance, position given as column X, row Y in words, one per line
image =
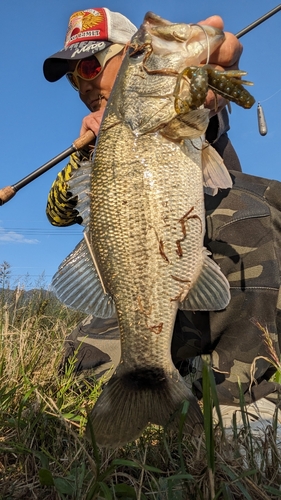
column 41, row 119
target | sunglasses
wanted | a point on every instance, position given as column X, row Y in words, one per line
column 87, row 69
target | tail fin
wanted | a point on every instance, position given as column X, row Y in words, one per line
column 132, row 400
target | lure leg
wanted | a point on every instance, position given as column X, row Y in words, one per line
column 196, row 78
column 228, row 85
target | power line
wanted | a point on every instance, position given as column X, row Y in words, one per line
column 40, row 231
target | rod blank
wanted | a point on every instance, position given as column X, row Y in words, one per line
column 8, row 192
column 258, row 21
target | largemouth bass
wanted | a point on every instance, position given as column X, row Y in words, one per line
column 146, row 224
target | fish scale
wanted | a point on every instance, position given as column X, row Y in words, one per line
column 144, row 243
column 143, row 201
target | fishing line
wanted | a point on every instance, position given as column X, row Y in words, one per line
column 267, row 99
column 207, row 40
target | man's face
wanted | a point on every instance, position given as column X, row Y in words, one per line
column 95, row 93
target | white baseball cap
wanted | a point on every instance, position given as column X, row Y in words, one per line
column 89, row 32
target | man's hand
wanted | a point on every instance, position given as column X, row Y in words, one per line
column 92, row 122
column 226, row 57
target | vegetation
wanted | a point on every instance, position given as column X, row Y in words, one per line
column 45, row 455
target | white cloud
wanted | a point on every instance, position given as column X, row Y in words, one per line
column 13, row 237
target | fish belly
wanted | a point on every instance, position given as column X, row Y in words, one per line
column 147, row 228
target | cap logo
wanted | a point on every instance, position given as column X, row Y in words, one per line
column 86, row 25
column 86, row 48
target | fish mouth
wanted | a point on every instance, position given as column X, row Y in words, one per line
column 195, row 42
column 204, row 40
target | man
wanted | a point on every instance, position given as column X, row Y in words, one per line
column 240, row 229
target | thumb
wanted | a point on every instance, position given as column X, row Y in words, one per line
column 215, row 21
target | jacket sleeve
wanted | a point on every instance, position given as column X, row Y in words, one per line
column 61, row 204
column 217, row 136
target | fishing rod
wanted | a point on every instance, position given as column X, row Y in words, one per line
column 9, row 192
column 258, row 21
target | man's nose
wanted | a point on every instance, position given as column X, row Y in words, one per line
column 84, row 85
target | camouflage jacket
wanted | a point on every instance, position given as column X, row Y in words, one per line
column 243, row 234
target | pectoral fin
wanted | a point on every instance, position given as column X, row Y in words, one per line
column 211, row 290
column 188, row 126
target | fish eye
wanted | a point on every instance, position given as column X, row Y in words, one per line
column 136, row 53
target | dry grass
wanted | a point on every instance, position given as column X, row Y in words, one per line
column 43, row 451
